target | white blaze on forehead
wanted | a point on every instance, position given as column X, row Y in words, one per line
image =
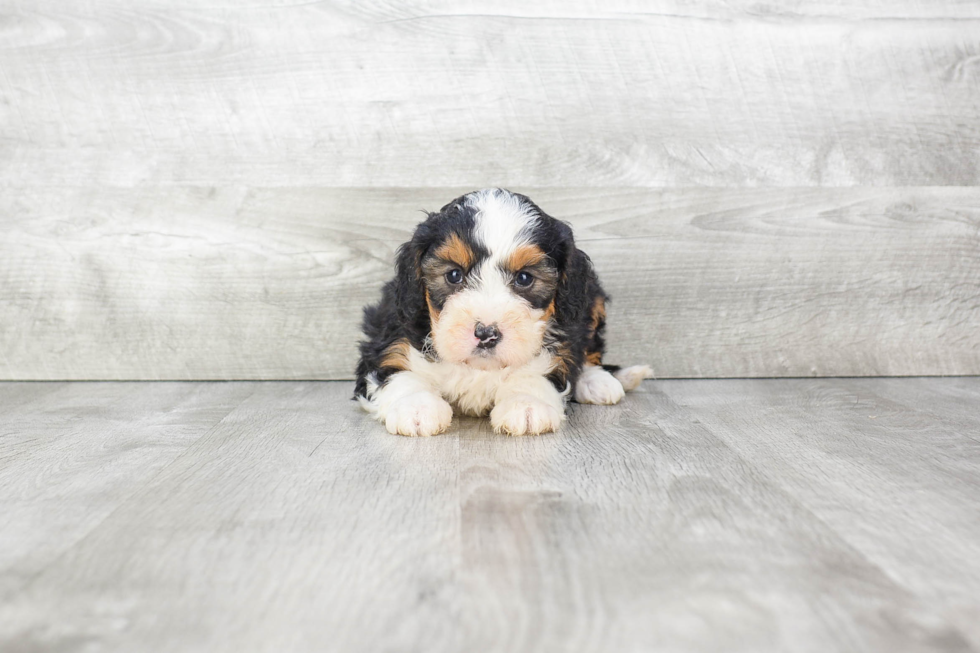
column 503, row 222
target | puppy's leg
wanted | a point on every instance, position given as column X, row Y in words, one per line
column 597, row 386
column 408, row 405
column 527, row 405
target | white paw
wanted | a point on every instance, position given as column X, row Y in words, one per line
column 421, row 413
column 597, row 386
column 631, row 377
column 525, row 415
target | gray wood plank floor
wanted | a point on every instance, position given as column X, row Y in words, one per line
column 744, row 515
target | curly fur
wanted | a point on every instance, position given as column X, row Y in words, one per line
column 550, row 331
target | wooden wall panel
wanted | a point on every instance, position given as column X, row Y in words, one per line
column 260, row 283
column 430, row 94
column 213, row 190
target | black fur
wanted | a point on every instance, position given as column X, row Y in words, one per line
column 404, row 314
column 576, row 297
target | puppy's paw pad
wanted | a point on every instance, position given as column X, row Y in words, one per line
column 422, row 413
column 525, row 415
column 597, row 386
column 631, row 377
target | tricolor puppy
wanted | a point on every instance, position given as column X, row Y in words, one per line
column 493, row 309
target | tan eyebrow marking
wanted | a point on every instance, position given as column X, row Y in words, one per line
column 524, row 256
column 457, row 251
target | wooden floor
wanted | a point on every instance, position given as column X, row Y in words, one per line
column 769, row 515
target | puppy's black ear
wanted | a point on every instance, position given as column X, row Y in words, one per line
column 562, row 244
column 410, row 288
column 575, row 278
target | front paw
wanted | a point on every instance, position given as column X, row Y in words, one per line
column 525, row 415
column 421, row 413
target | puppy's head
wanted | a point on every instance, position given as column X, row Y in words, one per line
column 487, row 268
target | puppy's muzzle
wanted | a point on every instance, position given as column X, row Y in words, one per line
column 488, row 336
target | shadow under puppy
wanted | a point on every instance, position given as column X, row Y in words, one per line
column 492, row 309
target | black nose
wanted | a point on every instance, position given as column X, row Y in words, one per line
column 488, row 336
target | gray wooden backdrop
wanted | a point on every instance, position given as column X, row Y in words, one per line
column 213, row 190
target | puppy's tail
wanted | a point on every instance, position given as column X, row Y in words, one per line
column 630, row 377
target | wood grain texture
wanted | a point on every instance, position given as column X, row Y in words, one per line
column 643, row 518
column 71, row 454
column 895, row 471
column 201, row 191
column 267, row 283
column 697, row 515
column 420, row 94
column 292, row 512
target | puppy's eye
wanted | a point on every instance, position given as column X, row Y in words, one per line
column 454, row 276
column 523, row 279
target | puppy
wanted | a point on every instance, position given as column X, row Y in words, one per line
column 492, row 309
